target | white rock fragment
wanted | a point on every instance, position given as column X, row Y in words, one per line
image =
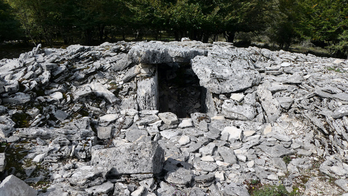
column 168, row 118
column 233, row 133
column 39, row 158
column 185, row 123
column 184, row 140
column 207, row 158
column 237, row 96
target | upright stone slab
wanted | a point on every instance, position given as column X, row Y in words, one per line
column 269, row 104
column 130, row 158
column 13, row 186
column 2, row 162
column 147, row 93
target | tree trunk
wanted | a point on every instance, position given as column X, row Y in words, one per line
column 229, row 36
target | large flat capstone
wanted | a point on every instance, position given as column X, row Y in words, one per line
column 130, row 158
column 159, row 52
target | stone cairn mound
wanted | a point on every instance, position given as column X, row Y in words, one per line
column 176, row 118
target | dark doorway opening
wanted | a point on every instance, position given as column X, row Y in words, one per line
column 179, row 90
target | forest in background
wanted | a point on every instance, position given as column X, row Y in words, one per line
column 322, row 23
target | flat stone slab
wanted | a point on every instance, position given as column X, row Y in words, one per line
column 276, row 151
column 181, row 176
column 130, row 158
column 168, row 118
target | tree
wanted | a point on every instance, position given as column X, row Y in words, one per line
column 9, row 26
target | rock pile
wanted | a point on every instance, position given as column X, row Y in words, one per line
column 105, row 120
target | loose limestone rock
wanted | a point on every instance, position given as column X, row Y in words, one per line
column 12, row 185
column 168, row 118
column 136, row 158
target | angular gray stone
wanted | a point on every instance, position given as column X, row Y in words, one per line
column 121, row 190
column 104, row 188
column 158, row 53
column 340, row 112
column 84, row 174
column 134, row 133
column 60, row 115
column 2, row 161
column 208, row 149
column 13, row 186
column 238, row 112
column 205, row 166
column 18, row 98
column 168, row 118
column 220, row 75
column 276, row 151
column 285, row 102
column 227, row 154
column 104, row 132
column 233, row 189
column 181, row 177
column 343, row 183
column 6, row 126
column 147, row 93
column 269, row 104
column 167, row 189
column 136, row 158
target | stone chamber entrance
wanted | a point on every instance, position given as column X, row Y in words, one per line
column 179, row 90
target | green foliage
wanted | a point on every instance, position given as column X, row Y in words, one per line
column 342, row 46
column 271, row 191
column 9, row 26
column 287, row 159
column 95, row 21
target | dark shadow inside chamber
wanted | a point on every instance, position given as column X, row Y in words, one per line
column 179, row 90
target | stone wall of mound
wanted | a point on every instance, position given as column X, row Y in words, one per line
column 153, row 118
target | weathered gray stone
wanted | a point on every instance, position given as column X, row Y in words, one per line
column 134, row 133
column 158, row 53
column 343, row 183
column 208, row 149
column 233, row 189
column 223, row 75
column 84, row 174
column 2, row 161
column 104, row 188
column 121, row 190
column 104, row 132
column 184, row 140
column 147, row 93
column 18, row 98
column 185, row 123
column 12, row 186
column 238, row 112
column 269, row 104
column 276, row 151
column 232, row 133
column 181, row 177
column 205, row 166
column 6, row 126
column 227, row 154
column 340, row 112
column 168, row 118
column 136, row 158
column 60, row 115
column 285, row 102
